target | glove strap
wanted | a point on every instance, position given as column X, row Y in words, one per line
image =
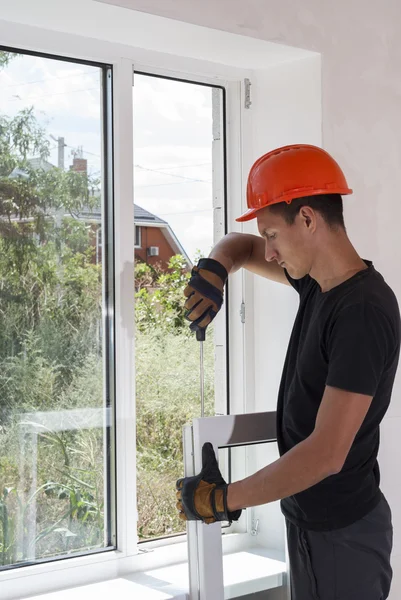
column 226, row 515
column 214, row 266
column 204, row 287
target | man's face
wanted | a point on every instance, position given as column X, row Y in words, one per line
column 289, row 245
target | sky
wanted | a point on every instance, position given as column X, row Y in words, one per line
column 172, row 136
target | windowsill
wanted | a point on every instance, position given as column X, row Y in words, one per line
column 245, row 572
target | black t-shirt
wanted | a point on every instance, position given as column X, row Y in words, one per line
column 348, row 338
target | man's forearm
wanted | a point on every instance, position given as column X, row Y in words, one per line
column 233, row 251
column 302, row 467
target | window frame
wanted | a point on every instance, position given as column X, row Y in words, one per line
column 138, row 245
column 108, row 341
column 128, row 556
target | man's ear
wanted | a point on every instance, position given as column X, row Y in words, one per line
column 308, row 216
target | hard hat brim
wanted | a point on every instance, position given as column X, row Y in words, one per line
column 251, row 213
column 248, row 215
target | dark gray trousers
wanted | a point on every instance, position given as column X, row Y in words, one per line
column 352, row 563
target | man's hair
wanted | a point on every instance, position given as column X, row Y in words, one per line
column 330, row 206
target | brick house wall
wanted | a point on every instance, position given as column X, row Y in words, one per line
column 153, row 236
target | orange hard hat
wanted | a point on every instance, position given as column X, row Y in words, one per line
column 292, row 172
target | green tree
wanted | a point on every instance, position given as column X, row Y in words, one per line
column 50, row 343
column 45, row 252
column 50, row 357
column 159, row 296
column 5, row 58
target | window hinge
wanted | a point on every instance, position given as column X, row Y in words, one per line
column 242, row 312
column 255, row 527
column 247, row 86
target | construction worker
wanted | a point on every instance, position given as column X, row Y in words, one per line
column 336, row 384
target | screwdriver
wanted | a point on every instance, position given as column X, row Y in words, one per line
column 201, row 336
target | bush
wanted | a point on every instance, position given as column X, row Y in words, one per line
column 167, row 397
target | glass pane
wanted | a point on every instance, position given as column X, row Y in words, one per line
column 259, row 561
column 175, row 151
column 55, row 425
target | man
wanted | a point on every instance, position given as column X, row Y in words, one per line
column 336, row 384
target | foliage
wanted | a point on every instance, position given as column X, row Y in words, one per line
column 51, row 360
column 167, row 397
column 159, row 296
column 50, row 316
column 72, row 500
column 33, row 193
column 5, row 58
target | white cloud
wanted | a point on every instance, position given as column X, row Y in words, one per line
column 172, row 135
column 52, row 86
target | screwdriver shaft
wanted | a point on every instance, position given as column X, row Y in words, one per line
column 202, row 381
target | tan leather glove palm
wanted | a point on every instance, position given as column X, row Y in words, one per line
column 204, row 292
column 203, row 502
column 204, row 496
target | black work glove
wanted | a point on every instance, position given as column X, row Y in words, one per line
column 204, row 292
column 204, row 496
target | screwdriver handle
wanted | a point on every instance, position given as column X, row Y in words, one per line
column 201, row 334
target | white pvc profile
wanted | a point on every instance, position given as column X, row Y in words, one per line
column 205, row 552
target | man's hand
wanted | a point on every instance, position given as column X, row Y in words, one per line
column 204, row 292
column 204, row 496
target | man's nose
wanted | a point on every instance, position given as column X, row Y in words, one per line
column 270, row 253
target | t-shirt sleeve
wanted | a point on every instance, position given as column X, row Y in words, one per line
column 359, row 346
column 298, row 284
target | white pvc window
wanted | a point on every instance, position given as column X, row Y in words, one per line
column 120, row 551
column 179, row 180
column 56, row 342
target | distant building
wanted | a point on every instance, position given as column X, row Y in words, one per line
column 155, row 241
column 79, row 165
column 34, row 163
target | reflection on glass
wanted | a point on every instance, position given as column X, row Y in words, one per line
column 53, row 420
column 173, row 139
column 259, row 561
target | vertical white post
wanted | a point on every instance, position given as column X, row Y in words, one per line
column 192, row 536
column 126, row 508
column 210, row 548
column 219, row 230
column 31, row 512
column 26, row 528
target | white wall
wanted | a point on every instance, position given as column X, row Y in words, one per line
column 361, row 51
column 286, row 109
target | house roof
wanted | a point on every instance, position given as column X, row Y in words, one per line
column 147, row 219
column 140, row 214
column 35, row 163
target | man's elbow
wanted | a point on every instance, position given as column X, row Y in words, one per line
column 334, row 464
column 331, row 457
